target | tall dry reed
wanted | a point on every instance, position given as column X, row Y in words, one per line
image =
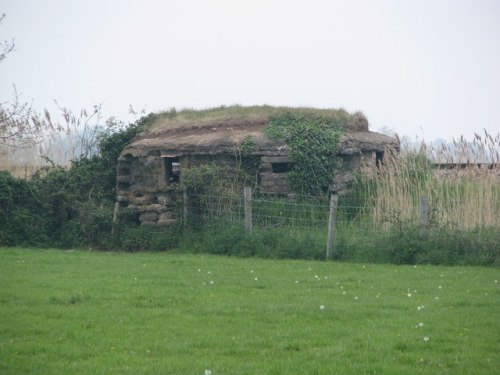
column 59, row 142
column 461, row 181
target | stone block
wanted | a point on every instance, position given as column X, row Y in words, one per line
column 165, row 223
column 141, row 201
column 148, row 217
column 124, row 179
column 164, row 200
column 158, row 208
column 166, row 216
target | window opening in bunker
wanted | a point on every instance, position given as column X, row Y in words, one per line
column 172, row 170
column 280, row 167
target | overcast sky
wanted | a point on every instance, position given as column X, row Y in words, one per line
column 425, row 68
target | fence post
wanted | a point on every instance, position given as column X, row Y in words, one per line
column 247, row 197
column 331, row 225
column 115, row 220
column 424, row 214
column 185, row 206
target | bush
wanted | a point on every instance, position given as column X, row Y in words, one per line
column 439, row 246
column 23, row 213
column 264, row 243
column 66, row 207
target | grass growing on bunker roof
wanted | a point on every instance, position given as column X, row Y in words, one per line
column 173, row 118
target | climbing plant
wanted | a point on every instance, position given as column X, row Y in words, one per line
column 247, row 163
column 313, row 143
column 247, row 145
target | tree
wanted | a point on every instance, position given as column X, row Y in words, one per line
column 19, row 125
column 5, row 47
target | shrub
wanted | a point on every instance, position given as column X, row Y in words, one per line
column 66, row 207
column 273, row 243
column 439, row 246
column 23, row 218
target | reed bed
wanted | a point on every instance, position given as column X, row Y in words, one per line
column 461, row 181
column 54, row 142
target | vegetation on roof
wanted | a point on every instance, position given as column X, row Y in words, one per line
column 173, row 118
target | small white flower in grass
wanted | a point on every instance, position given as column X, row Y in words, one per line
column 436, row 298
column 199, row 269
column 344, row 292
column 356, row 298
column 256, row 279
column 409, row 295
column 426, row 338
column 316, row 276
column 440, row 287
column 420, row 324
column 207, row 372
column 496, row 281
column 322, row 307
column 251, row 271
column 211, row 282
column 296, row 281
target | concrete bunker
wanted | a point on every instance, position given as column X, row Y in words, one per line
column 150, row 169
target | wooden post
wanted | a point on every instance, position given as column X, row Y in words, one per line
column 115, row 220
column 247, row 196
column 331, row 225
column 185, row 207
column 424, row 214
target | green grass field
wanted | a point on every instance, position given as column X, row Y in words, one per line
column 83, row 312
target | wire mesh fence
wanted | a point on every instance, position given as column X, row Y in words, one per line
column 266, row 211
column 299, row 228
column 358, row 222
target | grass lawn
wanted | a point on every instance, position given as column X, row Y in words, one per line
column 117, row 313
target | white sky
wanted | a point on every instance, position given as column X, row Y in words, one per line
column 426, row 68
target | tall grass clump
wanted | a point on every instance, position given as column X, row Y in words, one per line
column 461, row 181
